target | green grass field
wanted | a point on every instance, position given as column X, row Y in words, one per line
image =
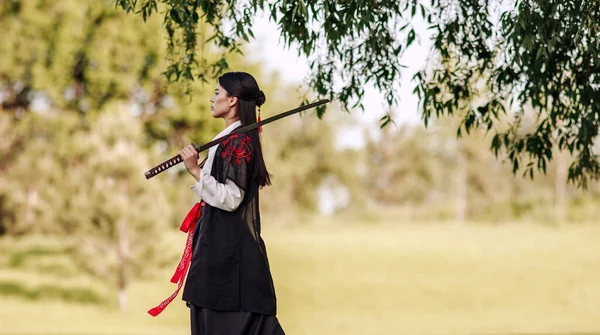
column 345, row 278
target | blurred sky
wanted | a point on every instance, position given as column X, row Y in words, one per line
column 275, row 56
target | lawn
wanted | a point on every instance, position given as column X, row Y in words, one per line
column 347, row 278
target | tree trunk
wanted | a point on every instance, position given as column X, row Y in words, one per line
column 123, row 250
column 32, row 203
column 560, row 182
column 123, row 253
column 460, row 203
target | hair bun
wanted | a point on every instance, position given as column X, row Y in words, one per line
column 260, row 98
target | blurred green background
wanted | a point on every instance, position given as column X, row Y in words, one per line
column 413, row 232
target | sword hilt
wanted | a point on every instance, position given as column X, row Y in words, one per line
column 163, row 166
column 177, row 159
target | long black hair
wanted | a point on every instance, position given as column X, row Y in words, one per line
column 243, row 86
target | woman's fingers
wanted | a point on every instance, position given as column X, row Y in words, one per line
column 192, row 149
column 188, row 152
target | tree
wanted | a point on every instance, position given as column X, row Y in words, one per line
column 118, row 217
column 402, row 168
column 434, row 174
column 540, row 52
column 85, row 187
column 81, row 55
column 83, row 113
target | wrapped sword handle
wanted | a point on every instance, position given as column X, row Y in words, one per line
column 165, row 165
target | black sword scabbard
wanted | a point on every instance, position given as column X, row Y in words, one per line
column 177, row 159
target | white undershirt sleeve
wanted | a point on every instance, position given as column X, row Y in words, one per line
column 227, row 196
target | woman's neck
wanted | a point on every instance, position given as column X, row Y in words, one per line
column 230, row 121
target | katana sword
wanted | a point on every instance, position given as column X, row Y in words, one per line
column 177, row 159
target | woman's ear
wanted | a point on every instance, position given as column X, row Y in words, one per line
column 233, row 101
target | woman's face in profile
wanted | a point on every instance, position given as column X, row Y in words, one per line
column 220, row 102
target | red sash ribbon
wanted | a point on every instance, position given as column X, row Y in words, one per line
column 187, row 226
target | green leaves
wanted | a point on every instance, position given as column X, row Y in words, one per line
column 527, row 60
column 538, row 53
column 147, row 8
column 386, row 120
column 362, row 39
column 411, row 37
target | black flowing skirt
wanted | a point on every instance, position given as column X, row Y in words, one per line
column 206, row 321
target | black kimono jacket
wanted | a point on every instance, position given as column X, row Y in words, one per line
column 229, row 270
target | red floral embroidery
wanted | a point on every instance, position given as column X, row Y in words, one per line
column 238, row 147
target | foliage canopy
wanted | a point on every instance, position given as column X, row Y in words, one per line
column 489, row 59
